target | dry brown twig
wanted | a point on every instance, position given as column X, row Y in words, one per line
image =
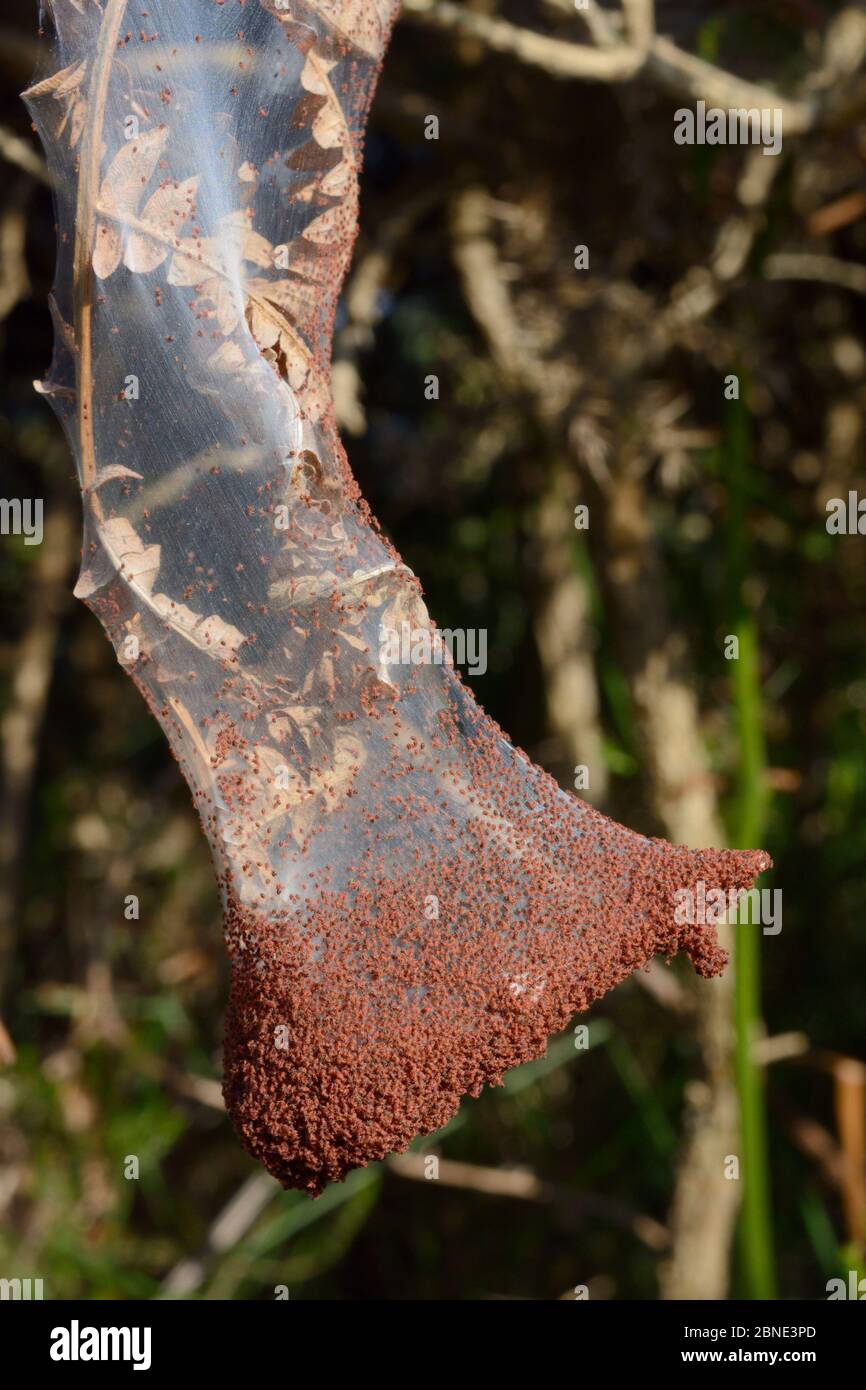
column 16, row 151
column 525, row 1186
column 230, row 1225
column 825, row 270
column 610, row 59
column 844, row 1161
column 14, row 278
column 849, row 1097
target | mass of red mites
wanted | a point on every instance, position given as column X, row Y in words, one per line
column 360, row 1019
column 347, row 1038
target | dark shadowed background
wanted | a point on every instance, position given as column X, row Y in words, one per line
column 709, row 1140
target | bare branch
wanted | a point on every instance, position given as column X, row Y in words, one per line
column 553, row 56
column 526, row 1186
column 229, row 1226
column 17, row 151
column 640, row 24
column 601, row 24
column 14, row 280
column 672, row 68
column 825, row 270
column 686, row 75
column 780, row 1048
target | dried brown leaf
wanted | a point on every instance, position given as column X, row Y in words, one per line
column 211, row 634
column 166, row 210
column 64, row 87
column 137, row 562
column 362, row 26
column 114, row 470
column 121, row 193
column 246, row 244
column 297, row 297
